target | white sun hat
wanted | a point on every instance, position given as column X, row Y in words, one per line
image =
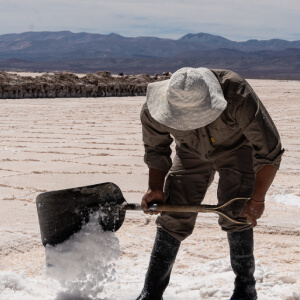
column 190, row 99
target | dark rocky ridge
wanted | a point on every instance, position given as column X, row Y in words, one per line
column 88, row 53
column 67, row 84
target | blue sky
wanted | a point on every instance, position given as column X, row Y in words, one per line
column 234, row 19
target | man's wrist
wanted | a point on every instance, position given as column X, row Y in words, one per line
column 257, row 201
column 156, row 179
column 151, row 190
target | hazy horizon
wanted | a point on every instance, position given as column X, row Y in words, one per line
column 262, row 20
column 29, row 31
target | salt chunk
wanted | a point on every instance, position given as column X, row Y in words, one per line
column 85, row 263
column 287, row 279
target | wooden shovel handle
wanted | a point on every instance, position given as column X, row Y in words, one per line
column 192, row 208
column 182, row 207
column 177, row 208
column 167, row 207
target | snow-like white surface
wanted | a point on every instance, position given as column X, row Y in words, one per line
column 51, row 144
column 84, row 265
column 88, row 266
column 287, row 199
column 213, row 281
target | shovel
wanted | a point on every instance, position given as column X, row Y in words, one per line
column 62, row 213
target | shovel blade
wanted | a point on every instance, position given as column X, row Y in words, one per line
column 62, row 213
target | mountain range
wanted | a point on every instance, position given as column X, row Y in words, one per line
column 86, row 52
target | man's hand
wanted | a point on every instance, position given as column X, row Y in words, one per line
column 156, row 196
column 253, row 210
column 155, row 192
column 255, row 207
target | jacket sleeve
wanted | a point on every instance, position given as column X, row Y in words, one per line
column 157, row 142
column 258, row 127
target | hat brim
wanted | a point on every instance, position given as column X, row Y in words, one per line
column 185, row 118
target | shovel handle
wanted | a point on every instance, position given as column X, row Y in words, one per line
column 182, row 207
column 167, row 207
column 177, row 208
column 191, row 208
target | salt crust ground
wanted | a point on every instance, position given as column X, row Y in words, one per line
column 49, row 144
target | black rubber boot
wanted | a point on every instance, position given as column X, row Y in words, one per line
column 243, row 264
column 162, row 259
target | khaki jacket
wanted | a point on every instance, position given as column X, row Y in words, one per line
column 244, row 123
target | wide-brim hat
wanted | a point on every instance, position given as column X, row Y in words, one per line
column 190, row 99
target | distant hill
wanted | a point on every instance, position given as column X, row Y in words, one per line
column 86, row 52
column 250, row 45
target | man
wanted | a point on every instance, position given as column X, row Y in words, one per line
column 218, row 124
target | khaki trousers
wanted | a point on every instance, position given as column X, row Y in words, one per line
column 189, row 179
